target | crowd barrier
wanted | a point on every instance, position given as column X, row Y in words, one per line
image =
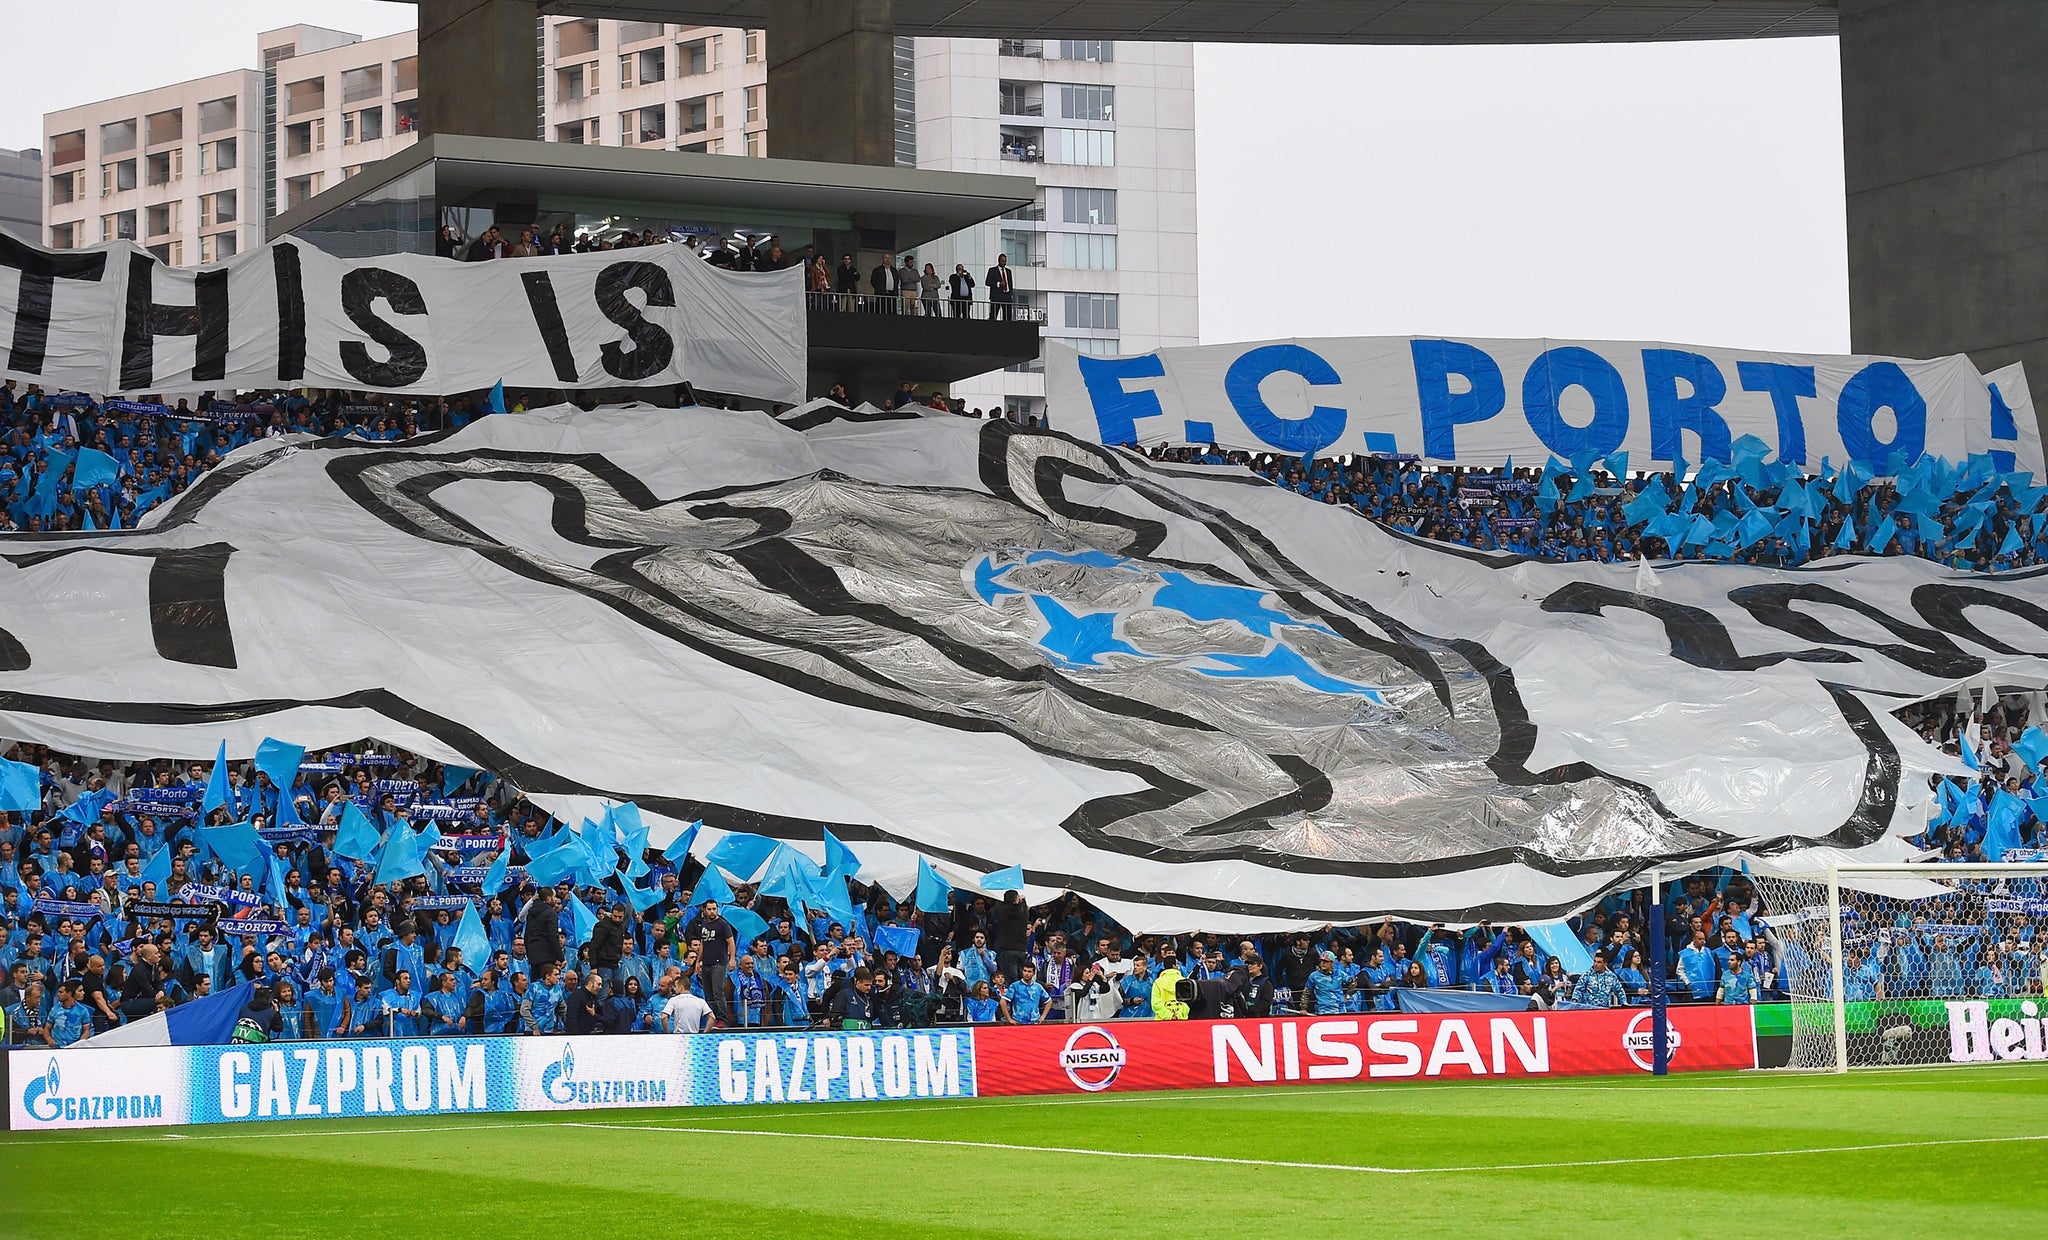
column 83, row 1087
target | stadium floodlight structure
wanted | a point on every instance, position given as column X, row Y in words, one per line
column 1936, row 972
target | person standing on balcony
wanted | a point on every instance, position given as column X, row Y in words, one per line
column 908, row 286
column 848, row 281
column 930, row 283
column 1002, row 298
column 882, row 283
column 963, row 290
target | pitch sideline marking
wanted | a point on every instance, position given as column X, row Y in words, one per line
column 1305, row 1166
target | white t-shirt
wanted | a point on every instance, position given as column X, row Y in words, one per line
column 687, row 1013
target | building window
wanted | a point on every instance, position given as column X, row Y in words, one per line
column 161, row 127
column 217, row 156
column 405, row 116
column 163, row 219
column 625, row 73
column 757, row 144
column 1095, row 346
column 575, row 39
column 1085, row 251
column 405, row 75
column 575, row 82
column 640, row 32
column 1101, row 50
column 217, row 208
column 1087, row 206
column 65, row 187
column 698, row 56
column 67, row 148
column 1020, row 99
column 1091, row 147
column 700, row 115
column 752, row 43
column 64, row 236
column 117, row 177
column 643, row 125
column 756, row 104
column 164, row 167
column 654, row 65
column 1088, row 103
column 119, row 226
column 216, row 115
column 1091, row 311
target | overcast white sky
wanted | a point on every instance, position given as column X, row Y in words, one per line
column 1687, row 192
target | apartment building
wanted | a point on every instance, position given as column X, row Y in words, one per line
column 333, row 103
column 178, row 168
column 679, row 88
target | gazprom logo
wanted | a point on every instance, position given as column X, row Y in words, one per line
column 558, row 1082
column 44, row 1100
column 559, row 1085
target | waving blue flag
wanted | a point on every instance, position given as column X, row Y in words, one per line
column 286, row 811
column 273, row 883
column 470, row 937
column 94, row 468
column 552, row 866
column 279, row 762
column 216, row 784
column 494, row 879
column 711, row 887
column 2002, row 827
column 839, row 859
column 643, row 898
column 401, row 858
column 1011, row 879
column 2033, row 746
column 741, row 853
column 582, row 922
column 788, row 876
column 934, row 894
column 678, row 850
column 356, row 838
column 237, row 844
column 829, row 896
column 158, row 869
column 902, row 940
column 747, row 925
column 453, row 777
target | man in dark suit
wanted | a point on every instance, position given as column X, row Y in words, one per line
column 1002, row 299
column 846, row 281
column 883, row 283
column 963, row 290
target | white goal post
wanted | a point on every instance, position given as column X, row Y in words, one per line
column 1945, row 964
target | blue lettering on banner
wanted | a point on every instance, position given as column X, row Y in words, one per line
column 560, row 1085
column 1697, row 411
column 1444, row 411
column 1304, row 436
column 1553, row 373
column 832, row 1067
column 1786, row 384
column 298, row 1080
column 43, row 1097
column 1882, row 385
column 1117, row 410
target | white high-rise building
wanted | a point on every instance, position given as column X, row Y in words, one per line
column 194, row 171
column 1108, row 130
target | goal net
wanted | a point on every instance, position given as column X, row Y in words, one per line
column 1943, row 964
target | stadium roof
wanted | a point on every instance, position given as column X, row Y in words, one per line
column 1292, row 21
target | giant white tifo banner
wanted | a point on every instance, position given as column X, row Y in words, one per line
column 112, row 320
column 1484, row 401
column 1194, row 697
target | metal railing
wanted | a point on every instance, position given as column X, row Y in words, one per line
column 941, row 306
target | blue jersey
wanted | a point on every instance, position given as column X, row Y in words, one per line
column 1137, row 994
column 69, row 1024
column 1027, row 1001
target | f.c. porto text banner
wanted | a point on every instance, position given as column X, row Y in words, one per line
column 1484, row 401
column 112, row 320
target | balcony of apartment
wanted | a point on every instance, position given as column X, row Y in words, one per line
column 1032, row 49
column 306, row 97
column 162, row 128
column 1020, row 98
column 161, row 220
column 67, row 148
column 1024, row 144
column 305, row 138
column 699, row 117
column 218, row 116
column 573, row 39
column 926, row 342
column 364, row 85
column 163, row 167
column 644, row 126
column 699, row 56
column 405, row 76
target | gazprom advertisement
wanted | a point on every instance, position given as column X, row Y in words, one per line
column 85, row 1087
column 1483, row 401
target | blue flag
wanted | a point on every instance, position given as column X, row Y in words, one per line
column 94, row 468
column 2002, row 826
column 470, row 937
column 711, row 887
column 741, row 853
column 678, row 850
column 788, row 876
column 747, row 925
column 495, row 402
column 643, row 898
column 216, row 784
column 1011, row 879
column 829, row 896
column 279, row 762
column 902, row 940
column 934, row 894
column 1968, row 749
column 453, row 777
column 2032, row 746
column 273, row 883
column 839, row 859
column 158, row 869
column 582, row 922
column 356, row 837
column 287, row 811
column 401, row 858
column 494, row 879
column 237, row 844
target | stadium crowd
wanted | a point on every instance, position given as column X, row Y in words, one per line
column 131, row 891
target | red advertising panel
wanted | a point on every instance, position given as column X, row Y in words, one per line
column 1145, row 1054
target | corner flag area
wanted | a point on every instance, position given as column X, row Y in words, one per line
column 1881, row 1153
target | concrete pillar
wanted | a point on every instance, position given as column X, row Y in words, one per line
column 831, row 80
column 1945, row 145
column 479, row 67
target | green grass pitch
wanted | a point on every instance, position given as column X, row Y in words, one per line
column 1957, row 1152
